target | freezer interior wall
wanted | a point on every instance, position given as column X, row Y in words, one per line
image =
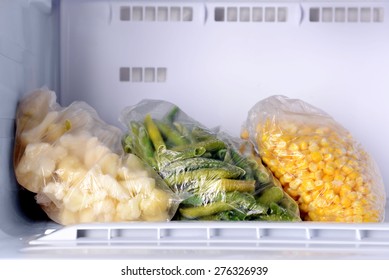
column 214, row 59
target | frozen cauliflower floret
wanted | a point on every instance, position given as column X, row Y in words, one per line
column 154, row 204
column 56, row 191
column 110, row 164
column 144, row 185
column 124, row 173
column 128, row 210
column 104, row 210
column 74, row 200
column 70, row 170
column 34, row 108
column 38, row 164
column 134, row 163
column 114, row 189
column 94, row 151
column 37, row 133
column 75, row 143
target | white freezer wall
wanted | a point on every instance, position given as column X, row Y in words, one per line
column 216, row 59
column 29, row 58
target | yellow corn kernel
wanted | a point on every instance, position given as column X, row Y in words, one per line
column 293, row 147
column 352, row 176
column 327, row 178
column 303, row 145
column 295, row 183
column 306, row 197
column 329, row 169
column 352, row 196
column 312, row 167
column 318, row 175
column 328, row 157
column 339, row 177
column 344, row 191
column 321, row 165
column 339, row 152
column 359, row 181
column 316, row 156
column 347, row 169
column 313, row 147
column 302, row 164
column 288, row 177
column 308, row 185
column 319, row 183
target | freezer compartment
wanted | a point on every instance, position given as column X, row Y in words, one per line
column 214, row 59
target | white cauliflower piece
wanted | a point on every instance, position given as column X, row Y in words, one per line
column 74, row 200
column 37, row 165
column 110, row 164
column 37, row 133
column 128, row 210
column 70, row 170
column 134, row 163
column 114, row 189
column 124, row 173
column 75, row 143
column 56, row 191
column 34, row 107
column 94, row 151
column 155, row 205
column 104, row 210
column 143, row 185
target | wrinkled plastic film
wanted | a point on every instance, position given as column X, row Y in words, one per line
column 317, row 161
column 205, row 168
column 74, row 162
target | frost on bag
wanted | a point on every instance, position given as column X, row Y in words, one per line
column 317, row 161
column 206, row 169
column 76, row 165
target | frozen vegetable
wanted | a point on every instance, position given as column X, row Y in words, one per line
column 75, row 163
column 317, row 161
column 206, row 169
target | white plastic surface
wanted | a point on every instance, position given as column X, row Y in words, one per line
column 303, row 240
column 215, row 59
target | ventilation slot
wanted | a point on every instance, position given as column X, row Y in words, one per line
column 140, row 75
column 346, row 14
column 251, row 14
column 153, row 14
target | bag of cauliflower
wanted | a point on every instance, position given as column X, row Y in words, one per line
column 317, row 161
column 75, row 164
column 215, row 178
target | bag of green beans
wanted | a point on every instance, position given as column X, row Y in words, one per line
column 216, row 176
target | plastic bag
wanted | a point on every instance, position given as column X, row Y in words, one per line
column 317, row 161
column 206, row 169
column 76, row 165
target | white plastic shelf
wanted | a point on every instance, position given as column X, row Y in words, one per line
column 244, row 237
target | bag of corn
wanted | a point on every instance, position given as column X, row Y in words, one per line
column 317, row 161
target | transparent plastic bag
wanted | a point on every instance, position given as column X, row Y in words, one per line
column 75, row 164
column 205, row 168
column 317, row 161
